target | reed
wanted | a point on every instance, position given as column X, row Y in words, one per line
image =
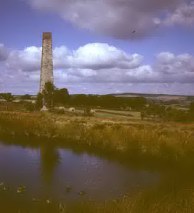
column 167, row 142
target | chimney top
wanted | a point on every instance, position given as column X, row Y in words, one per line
column 47, row 35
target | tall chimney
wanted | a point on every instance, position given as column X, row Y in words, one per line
column 46, row 61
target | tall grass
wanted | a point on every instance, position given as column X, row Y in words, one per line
column 167, row 142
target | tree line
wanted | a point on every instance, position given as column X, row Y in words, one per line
column 51, row 96
column 168, row 113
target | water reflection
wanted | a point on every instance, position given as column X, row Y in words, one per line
column 49, row 159
column 59, row 175
column 48, row 172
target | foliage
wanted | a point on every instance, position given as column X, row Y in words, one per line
column 48, row 94
column 157, row 111
column 7, row 96
column 26, row 97
column 107, row 101
column 51, row 96
column 39, row 101
column 61, row 96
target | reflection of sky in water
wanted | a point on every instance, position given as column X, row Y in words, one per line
column 47, row 172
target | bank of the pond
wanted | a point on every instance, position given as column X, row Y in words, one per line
column 146, row 143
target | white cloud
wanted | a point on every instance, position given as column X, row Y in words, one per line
column 123, row 19
column 96, row 64
column 144, row 73
column 99, row 56
column 175, row 68
column 165, row 57
column 24, row 60
column 61, row 57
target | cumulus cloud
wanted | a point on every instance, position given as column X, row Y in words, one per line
column 61, row 57
column 24, row 60
column 97, row 63
column 90, row 56
column 175, row 68
column 99, row 56
column 123, row 19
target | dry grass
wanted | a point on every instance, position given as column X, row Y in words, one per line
column 169, row 142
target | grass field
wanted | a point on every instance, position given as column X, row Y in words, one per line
column 131, row 115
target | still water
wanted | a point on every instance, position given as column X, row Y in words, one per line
column 50, row 173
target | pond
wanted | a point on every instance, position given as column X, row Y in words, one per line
column 47, row 173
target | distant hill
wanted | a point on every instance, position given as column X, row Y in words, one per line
column 157, row 97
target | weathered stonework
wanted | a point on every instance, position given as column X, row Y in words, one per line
column 46, row 61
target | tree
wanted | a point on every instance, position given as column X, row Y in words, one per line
column 48, row 94
column 39, row 101
column 61, row 96
column 7, row 96
column 51, row 96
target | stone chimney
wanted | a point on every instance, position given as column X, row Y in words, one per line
column 46, row 61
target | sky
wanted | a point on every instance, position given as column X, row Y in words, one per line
column 99, row 46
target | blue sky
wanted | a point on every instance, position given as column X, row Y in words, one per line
column 122, row 47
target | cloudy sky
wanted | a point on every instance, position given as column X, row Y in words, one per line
column 99, row 46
